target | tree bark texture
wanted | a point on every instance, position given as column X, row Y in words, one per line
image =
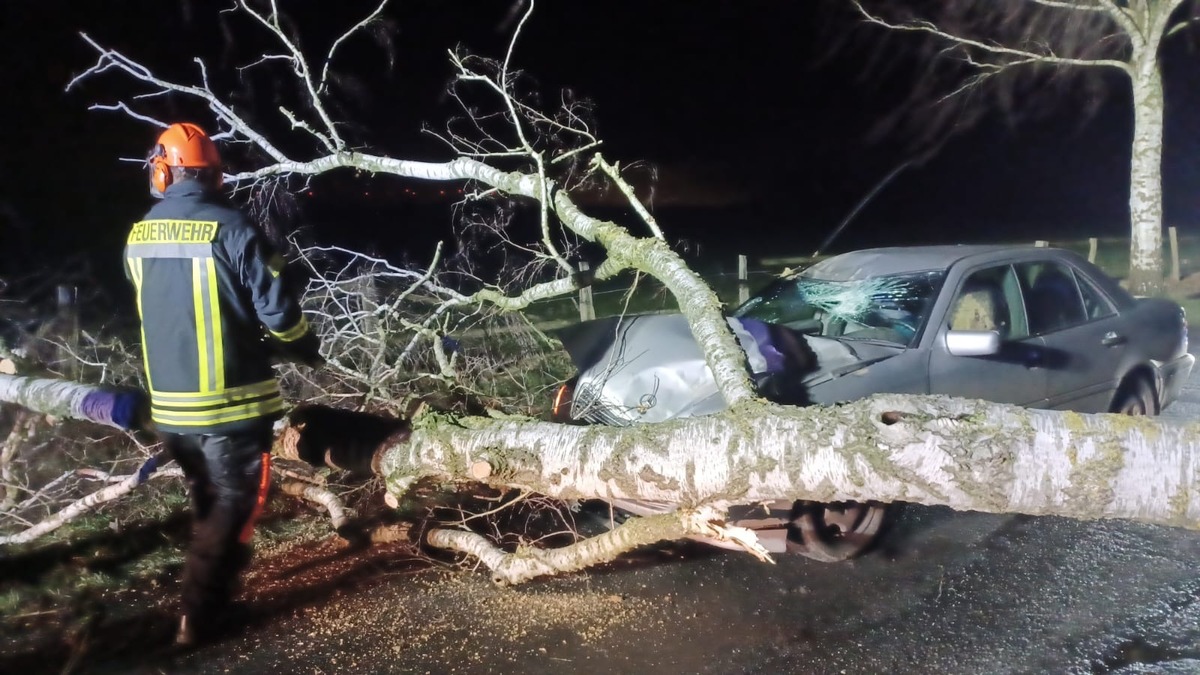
column 118, row 408
column 531, row 562
column 1145, row 177
column 968, row 455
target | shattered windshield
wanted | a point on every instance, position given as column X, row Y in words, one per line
column 891, row 308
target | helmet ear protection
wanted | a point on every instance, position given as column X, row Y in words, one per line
column 182, row 145
column 160, row 171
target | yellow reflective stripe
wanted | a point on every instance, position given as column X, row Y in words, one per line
column 218, row 344
column 201, row 330
column 220, row 416
column 195, row 398
column 294, row 333
column 245, row 390
column 135, row 273
column 274, row 401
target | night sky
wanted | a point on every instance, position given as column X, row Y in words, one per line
column 761, row 132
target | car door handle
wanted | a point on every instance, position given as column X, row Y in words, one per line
column 1112, row 338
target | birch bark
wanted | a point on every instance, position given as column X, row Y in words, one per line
column 968, row 455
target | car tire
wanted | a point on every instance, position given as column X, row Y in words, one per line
column 1135, row 397
column 836, row 531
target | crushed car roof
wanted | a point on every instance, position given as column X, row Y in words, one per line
column 874, row 262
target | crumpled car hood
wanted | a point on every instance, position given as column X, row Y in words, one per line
column 649, row 368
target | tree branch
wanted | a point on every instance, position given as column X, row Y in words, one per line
column 83, row 505
column 110, row 59
column 345, row 36
column 614, row 174
column 1128, row 23
column 1081, row 6
column 530, row 562
column 321, row 496
column 333, row 142
column 1022, row 56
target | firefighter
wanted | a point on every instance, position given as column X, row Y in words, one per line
column 214, row 312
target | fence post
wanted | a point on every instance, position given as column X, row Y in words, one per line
column 743, row 277
column 1093, row 246
column 1174, row 253
column 587, row 310
column 1041, row 243
column 68, row 328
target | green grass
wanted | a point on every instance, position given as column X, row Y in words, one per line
column 1112, row 254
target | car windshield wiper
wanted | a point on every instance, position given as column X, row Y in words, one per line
column 872, row 341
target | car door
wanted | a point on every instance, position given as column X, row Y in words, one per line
column 1082, row 333
column 989, row 298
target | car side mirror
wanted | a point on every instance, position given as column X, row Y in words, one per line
column 972, row 342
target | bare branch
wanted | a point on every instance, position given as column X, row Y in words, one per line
column 345, row 36
column 1182, row 26
column 334, row 141
column 1022, row 56
column 122, row 107
column 115, row 490
column 1081, row 6
column 530, row 563
column 1128, row 23
column 614, row 174
column 110, row 59
column 1163, row 18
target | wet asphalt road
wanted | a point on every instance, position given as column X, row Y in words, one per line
column 947, row 592
column 979, row 593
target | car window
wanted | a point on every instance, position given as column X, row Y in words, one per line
column 1095, row 305
column 890, row 308
column 990, row 299
column 1052, row 297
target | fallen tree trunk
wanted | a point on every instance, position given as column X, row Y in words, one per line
column 119, row 408
column 968, row 455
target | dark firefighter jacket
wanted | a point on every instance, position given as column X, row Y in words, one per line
column 207, row 284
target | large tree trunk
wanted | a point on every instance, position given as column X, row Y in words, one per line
column 968, row 455
column 1145, row 175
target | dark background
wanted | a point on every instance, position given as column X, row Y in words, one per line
column 760, row 126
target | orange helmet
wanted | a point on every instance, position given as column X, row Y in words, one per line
column 184, row 145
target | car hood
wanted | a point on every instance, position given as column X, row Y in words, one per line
column 649, row 368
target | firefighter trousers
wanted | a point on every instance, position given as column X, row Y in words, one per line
column 228, row 478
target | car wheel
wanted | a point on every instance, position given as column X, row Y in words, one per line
column 836, row 531
column 1135, row 397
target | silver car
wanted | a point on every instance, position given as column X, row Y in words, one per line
column 1035, row 327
